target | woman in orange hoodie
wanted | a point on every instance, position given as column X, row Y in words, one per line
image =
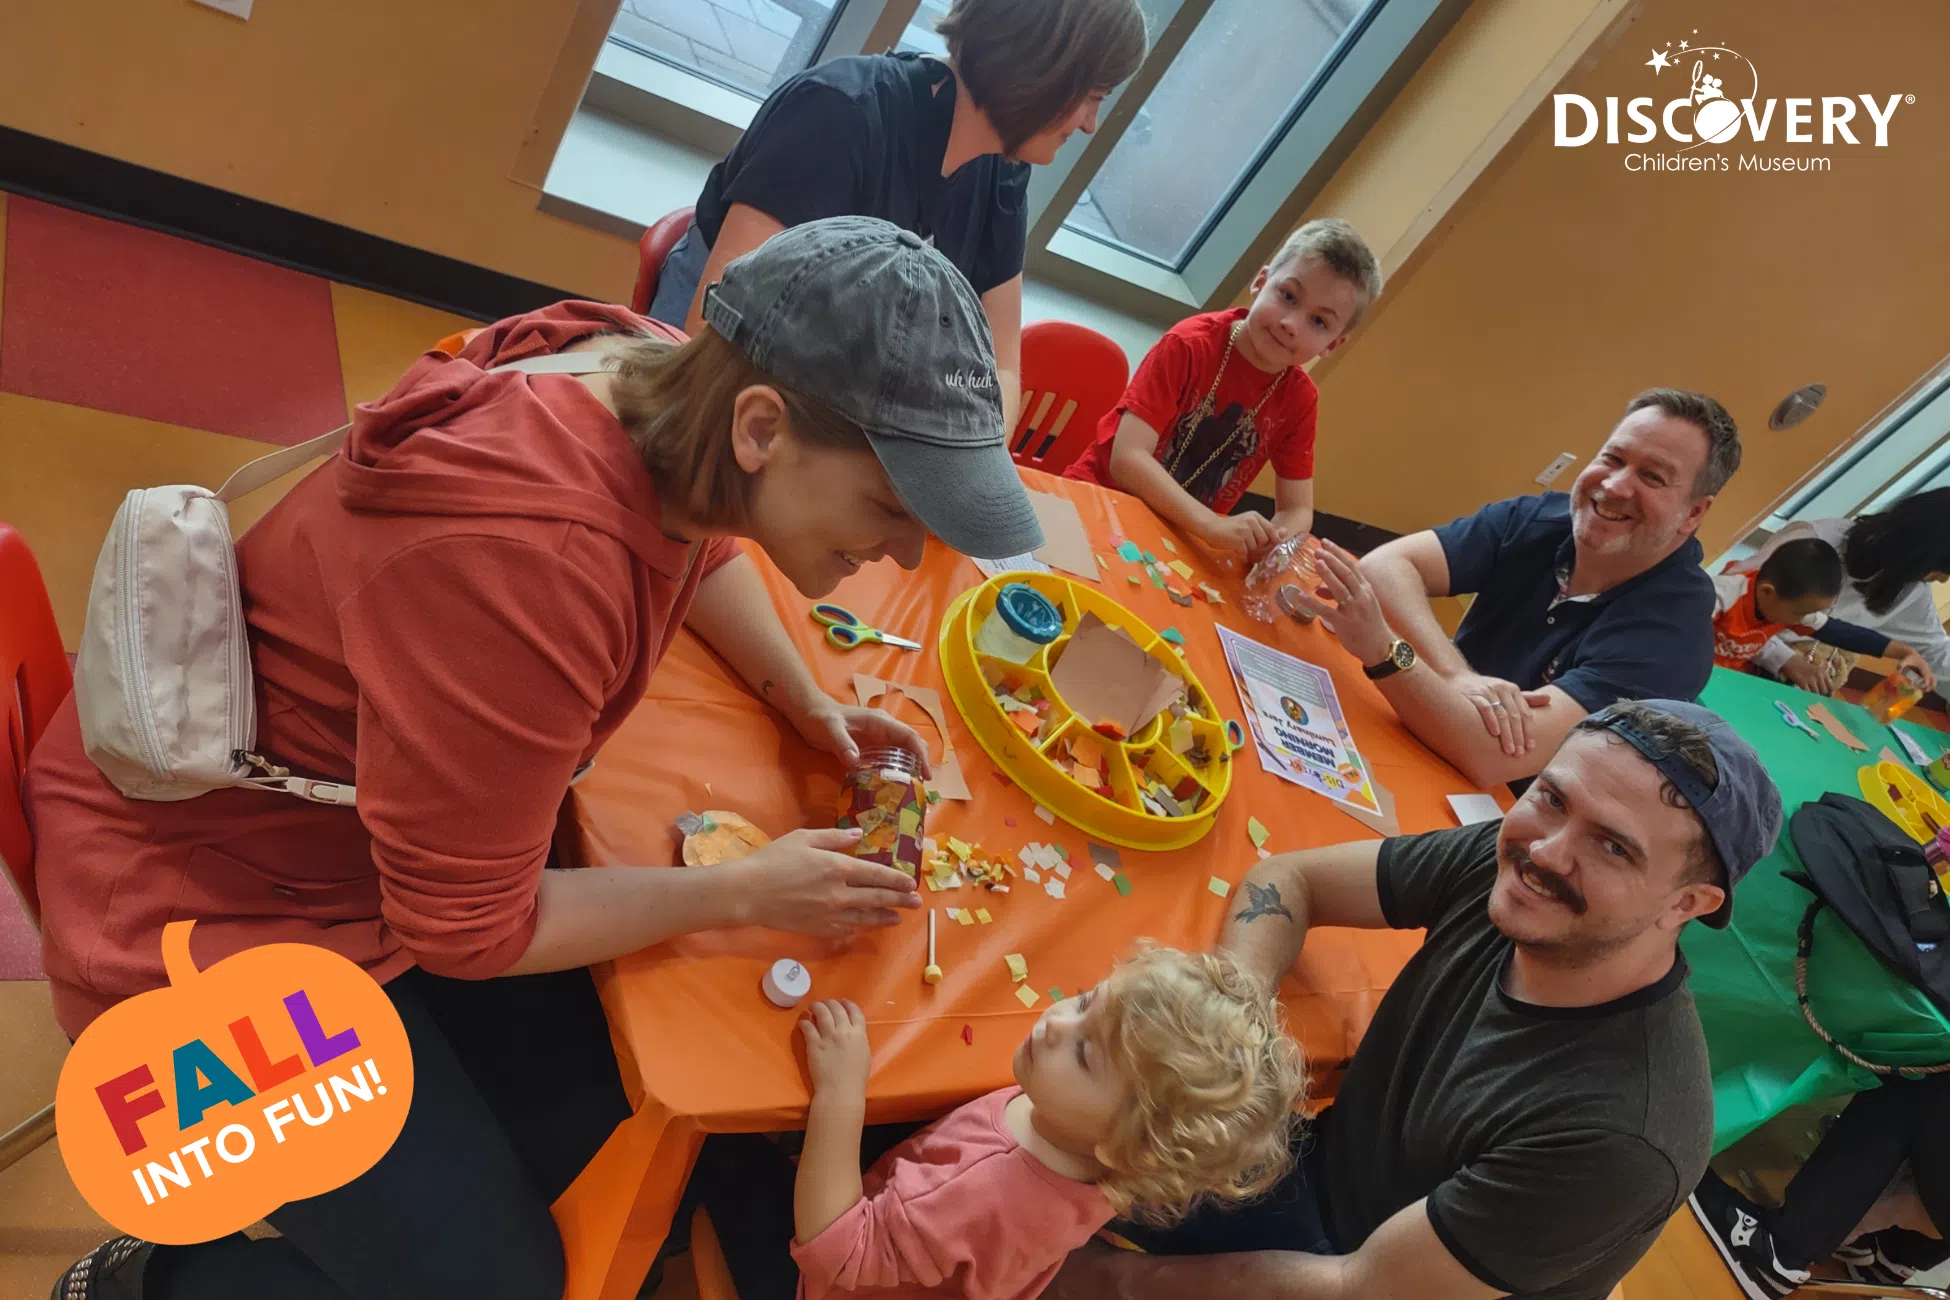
column 456, row 611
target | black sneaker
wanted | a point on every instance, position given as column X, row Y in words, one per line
column 1737, row 1229
column 1891, row 1257
column 111, row 1271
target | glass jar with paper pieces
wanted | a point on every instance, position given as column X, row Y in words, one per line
column 884, row 797
column 1289, row 563
column 1107, row 727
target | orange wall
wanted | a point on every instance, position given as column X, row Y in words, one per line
column 1561, row 283
column 401, row 118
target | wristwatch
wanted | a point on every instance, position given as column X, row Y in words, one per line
column 1401, row 657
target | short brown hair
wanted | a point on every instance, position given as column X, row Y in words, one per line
column 1694, row 748
column 1028, row 63
column 1214, row 1080
column 1339, row 247
column 1722, row 435
column 677, row 402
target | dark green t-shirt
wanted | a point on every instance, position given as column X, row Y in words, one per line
column 1552, row 1143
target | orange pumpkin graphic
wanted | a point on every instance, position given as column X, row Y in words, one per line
column 192, row 1111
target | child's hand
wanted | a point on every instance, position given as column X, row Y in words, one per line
column 1906, row 657
column 1801, row 671
column 837, row 1055
column 1248, row 534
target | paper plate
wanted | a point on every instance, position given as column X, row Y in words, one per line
column 1114, row 816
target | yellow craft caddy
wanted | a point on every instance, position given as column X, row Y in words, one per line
column 1905, row 799
column 1115, row 816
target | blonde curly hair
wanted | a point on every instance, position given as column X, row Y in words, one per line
column 1214, row 1083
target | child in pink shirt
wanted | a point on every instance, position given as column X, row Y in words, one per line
column 1169, row 1083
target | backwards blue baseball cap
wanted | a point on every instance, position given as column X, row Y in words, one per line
column 1740, row 808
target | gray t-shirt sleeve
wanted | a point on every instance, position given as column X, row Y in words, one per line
column 1422, row 877
column 1534, row 1214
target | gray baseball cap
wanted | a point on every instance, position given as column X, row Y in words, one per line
column 1741, row 810
column 871, row 321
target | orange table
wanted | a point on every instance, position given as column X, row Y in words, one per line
column 702, row 1051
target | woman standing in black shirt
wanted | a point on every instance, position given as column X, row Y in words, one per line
column 941, row 149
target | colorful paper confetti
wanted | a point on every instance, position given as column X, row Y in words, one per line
column 1123, row 885
column 1257, row 831
column 1056, row 995
column 1171, row 546
column 1173, row 635
column 1018, row 968
column 982, row 915
column 1181, row 568
column 1128, row 552
column 1026, row 995
column 1046, row 814
column 1219, row 887
column 1106, row 872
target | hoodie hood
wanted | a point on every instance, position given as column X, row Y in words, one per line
column 454, row 439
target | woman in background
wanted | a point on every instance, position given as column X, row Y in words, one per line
column 941, row 149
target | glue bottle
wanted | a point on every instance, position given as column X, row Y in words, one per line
column 883, row 796
column 1894, row 695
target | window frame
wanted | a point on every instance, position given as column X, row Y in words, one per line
column 1374, row 58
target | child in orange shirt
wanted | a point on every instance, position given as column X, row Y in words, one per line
column 1223, row 393
column 1793, row 589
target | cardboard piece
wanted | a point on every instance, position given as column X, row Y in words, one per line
column 948, row 782
column 1385, row 822
column 1066, row 545
column 1828, row 722
column 1473, row 808
column 1105, row 677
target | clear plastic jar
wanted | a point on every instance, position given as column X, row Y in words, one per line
column 1287, row 562
column 1022, row 622
column 884, row 797
column 1894, row 695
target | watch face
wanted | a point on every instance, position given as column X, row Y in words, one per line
column 1403, row 655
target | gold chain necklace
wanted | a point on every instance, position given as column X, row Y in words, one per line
column 1248, row 423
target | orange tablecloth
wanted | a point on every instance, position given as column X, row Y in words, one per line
column 702, row 1051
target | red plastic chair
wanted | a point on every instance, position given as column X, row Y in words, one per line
column 1071, row 377
column 654, row 247
column 34, row 679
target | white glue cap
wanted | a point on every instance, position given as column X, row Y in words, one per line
column 787, row 983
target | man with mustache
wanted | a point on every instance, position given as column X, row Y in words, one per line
column 1581, row 599
column 1532, row 1101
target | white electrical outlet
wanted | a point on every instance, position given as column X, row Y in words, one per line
column 1563, row 462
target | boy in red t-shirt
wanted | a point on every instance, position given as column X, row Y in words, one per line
column 1223, row 393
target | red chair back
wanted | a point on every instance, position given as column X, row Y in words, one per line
column 652, row 249
column 34, row 679
column 1071, row 377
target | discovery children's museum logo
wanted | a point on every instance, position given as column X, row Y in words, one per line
column 1713, row 99
column 190, row 1112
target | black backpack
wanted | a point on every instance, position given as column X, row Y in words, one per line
column 1859, row 863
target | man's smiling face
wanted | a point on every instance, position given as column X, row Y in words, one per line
column 1635, row 498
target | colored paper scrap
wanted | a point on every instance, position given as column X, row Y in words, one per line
column 1170, row 545
column 968, row 1035
column 1106, row 872
column 1135, row 580
column 1833, row 726
column 1265, row 854
column 1054, row 889
column 1018, row 968
column 1212, row 594
column 1149, row 558
column 1032, row 875
column 1128, row 552
column 1123, row 885
column 1181, row 568
column 1026, row 995
column 1062, row 869
column 1257, row 831
column 1105, row 855
column 982, row 915
column 1218, row 886
column 1046, row 814
column 1173, row 635
column 964, row 917
column 1055, row 995
column 1157, row 579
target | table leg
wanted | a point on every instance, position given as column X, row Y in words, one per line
column 615, row 1216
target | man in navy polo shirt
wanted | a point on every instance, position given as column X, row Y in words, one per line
column 1581, row 599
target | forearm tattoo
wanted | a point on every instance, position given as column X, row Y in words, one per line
column 1262, row 900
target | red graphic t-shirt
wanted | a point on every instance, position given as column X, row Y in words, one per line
column 1215, row 458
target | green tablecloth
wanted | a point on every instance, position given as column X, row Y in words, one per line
column 1765, row 1058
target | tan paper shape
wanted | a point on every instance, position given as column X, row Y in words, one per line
column 1066, row 545
column 1383, row 822
column 948, row 781
column 1833, row 725
column 731, row 837
column 1106, row 677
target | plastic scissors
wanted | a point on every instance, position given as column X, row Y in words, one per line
column 845, row 630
